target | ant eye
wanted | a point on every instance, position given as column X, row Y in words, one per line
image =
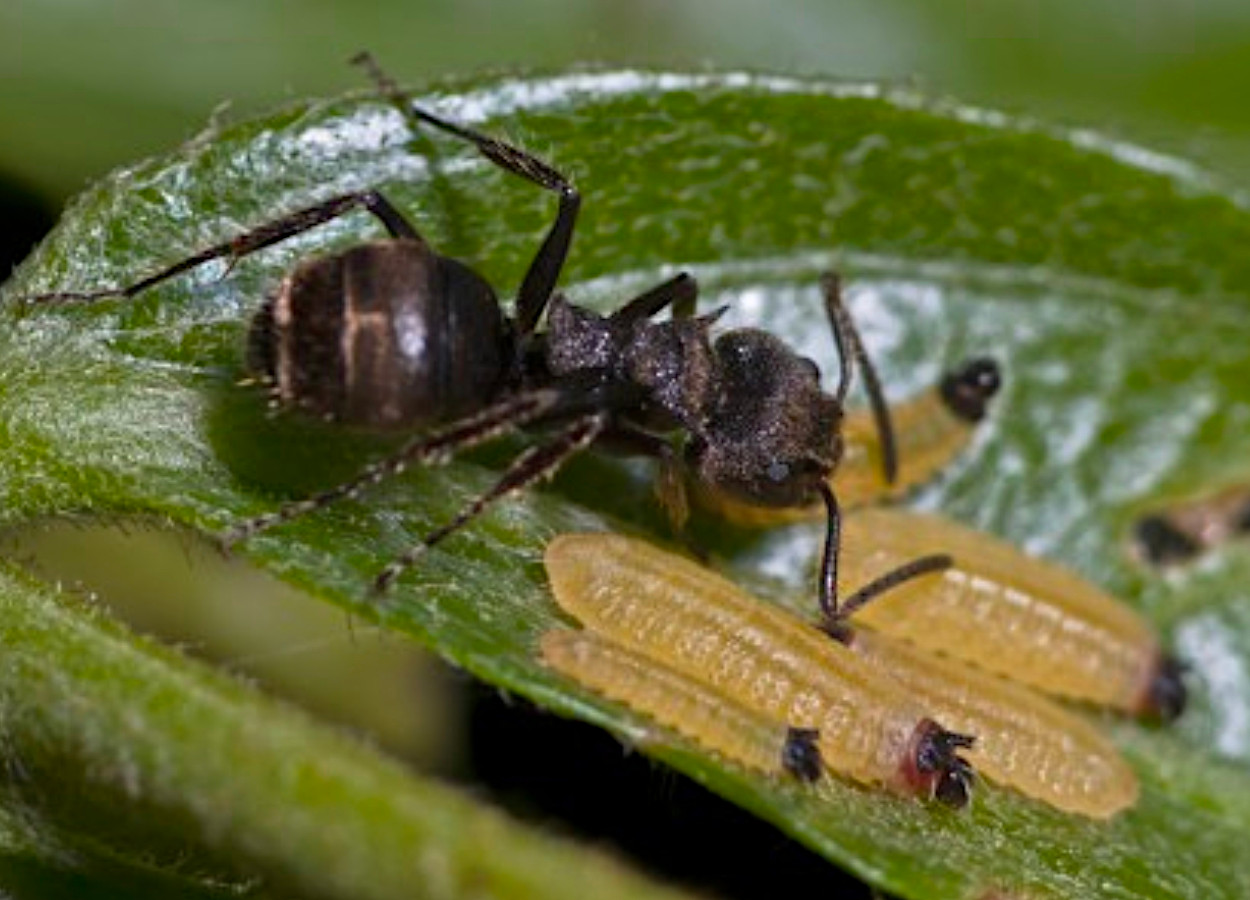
column 778, row 472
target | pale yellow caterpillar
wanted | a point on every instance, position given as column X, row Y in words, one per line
column 1010, row 613
column 687, row 618
column 687, row 706
column 1023, row 740
column 930, row 431
column 670, row 609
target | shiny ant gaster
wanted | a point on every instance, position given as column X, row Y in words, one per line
column 391, row 335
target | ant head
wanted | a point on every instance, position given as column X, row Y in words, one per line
column 771, row 435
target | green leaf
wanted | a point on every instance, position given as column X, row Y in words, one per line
column 1111, row 282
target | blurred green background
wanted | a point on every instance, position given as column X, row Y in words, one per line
column 86, row 86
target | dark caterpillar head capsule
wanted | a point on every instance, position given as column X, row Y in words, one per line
column 934, row 767
column 800, row 756
column 1165, row 696
column 968, row 390
column 1163, row 544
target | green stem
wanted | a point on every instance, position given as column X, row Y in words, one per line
column 124, row 738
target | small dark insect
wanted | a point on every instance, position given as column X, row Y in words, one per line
column 1163, row 544
column 390, row 334
column 1184, row 530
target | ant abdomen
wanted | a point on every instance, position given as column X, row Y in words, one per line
column 386, row 335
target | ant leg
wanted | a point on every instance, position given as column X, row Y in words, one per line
column 434, row 448
column 544, row 271
column 264, row 236
column 670, row 485
column 680, row 292
column 846, row 336
column 534, row 464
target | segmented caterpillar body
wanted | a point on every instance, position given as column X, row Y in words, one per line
column 689, row 707
column 1000, row 609
column 727, row 651
column 1023, row 740
column 676, row 613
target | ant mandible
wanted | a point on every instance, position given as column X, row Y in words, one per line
column 389, row 334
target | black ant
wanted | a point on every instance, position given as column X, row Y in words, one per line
column 391, row 335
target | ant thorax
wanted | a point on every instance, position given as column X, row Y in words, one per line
column 670, row 364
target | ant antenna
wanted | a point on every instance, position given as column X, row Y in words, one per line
column 850, row 346
column 837, row 626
